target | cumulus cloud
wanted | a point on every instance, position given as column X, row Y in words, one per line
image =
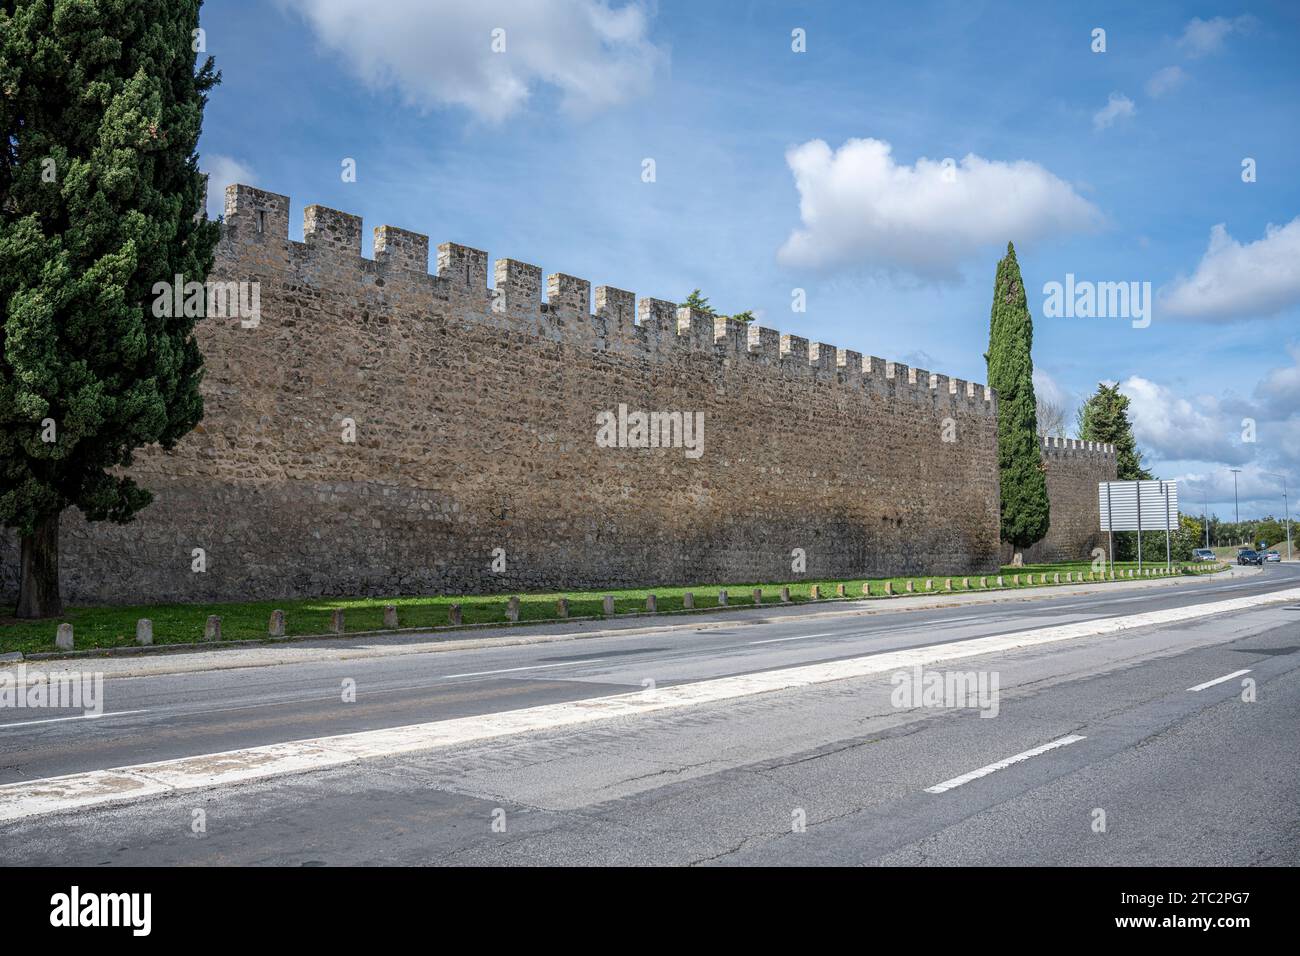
column 1118, row 106
column 1165, row 81
column 222, row 171
column 440, row 52
column 1201, row 37
column 1240, row 281
column 1170, row 425
column 860, row 208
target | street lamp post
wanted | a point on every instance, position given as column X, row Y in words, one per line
column 1286, row 506
column 1236, row 510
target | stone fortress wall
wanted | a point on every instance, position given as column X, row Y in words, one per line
column 1073, row 468
column 476, row 418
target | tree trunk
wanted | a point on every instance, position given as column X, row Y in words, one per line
column 38, row 588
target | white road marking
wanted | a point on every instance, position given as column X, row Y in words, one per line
column 511, row 670
column 1003, row 764
column 803, row 637
column 96, row 787
column 1220, row 680
column 55, row 720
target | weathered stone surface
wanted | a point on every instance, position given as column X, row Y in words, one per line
column 390, row 615
column 609, row 605
column 454, row 614
column 212, row 629
column 144, row 631
column 275, row 628
column 512, row 609
column 688, row 600
column 337, row 621
column 651, row 604
column 476, row 427
column 562, row 607
column 1073, row 470
column 63, row 637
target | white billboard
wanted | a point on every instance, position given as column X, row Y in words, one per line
column 1138, row 505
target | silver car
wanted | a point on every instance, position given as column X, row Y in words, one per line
column 1272, row 556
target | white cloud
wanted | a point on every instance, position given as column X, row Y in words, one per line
column 1236, row 281
column 859, row 207
column 1201, row 37
column 222, row 171
column 1117, row 106
column 1172, row 426
column 1165, row 81
column 439, row 52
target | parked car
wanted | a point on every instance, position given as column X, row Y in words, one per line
column 1204, row 554
column 1272, row 556
column 1247, row 556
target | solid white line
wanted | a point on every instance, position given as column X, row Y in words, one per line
column 96, row 787
column 55, row 720
column 1219, row 680
column 1003, row 764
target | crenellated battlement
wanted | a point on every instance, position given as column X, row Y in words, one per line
column 621, row 320
column 1062, row 447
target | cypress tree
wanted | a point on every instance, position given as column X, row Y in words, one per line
column 101, row 103
column 1025, row 509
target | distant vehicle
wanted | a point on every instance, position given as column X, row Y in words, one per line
column 1272, row 556
column 1247, row 556
column 1204, row 554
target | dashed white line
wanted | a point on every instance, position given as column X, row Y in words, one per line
column 1220, row 680
column 1003, row 764
column 55, row 720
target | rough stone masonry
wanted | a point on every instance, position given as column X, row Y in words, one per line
column 382, row 431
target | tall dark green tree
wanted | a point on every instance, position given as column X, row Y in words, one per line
column 1104, row 417
column 1026, row 512
column 101, row 103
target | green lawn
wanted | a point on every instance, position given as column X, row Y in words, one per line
column 103, row 627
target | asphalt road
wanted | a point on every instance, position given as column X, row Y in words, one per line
column 832, row 772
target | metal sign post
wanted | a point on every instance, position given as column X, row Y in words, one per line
column 1110, row 532
column 1139, row 524
column 1122, row 509
column 1168, row 549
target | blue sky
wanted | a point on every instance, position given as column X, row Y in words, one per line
column 824, row 170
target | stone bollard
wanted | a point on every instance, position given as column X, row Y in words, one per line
column 144, row 631
column 965, row 584
column 722, row 599
column 758, row 595
column 212, row 630
column 651, row 604
column 512, row 610
column 840, row 591
column 275, row 627
column 63, row 637
column 908, row 586
column 609, row 605
column 947, row 584
column 390, row 615
column 1000, row 584
column 1056, row 577
column 1015, row 579
column 453, row 614
column 889, row 587
column 688, row 600
column 562, row 607
column 336, row 621
column 785, row 595
column 866, row 588
column 984, row 582
column 929, row 584
column 815, row 592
